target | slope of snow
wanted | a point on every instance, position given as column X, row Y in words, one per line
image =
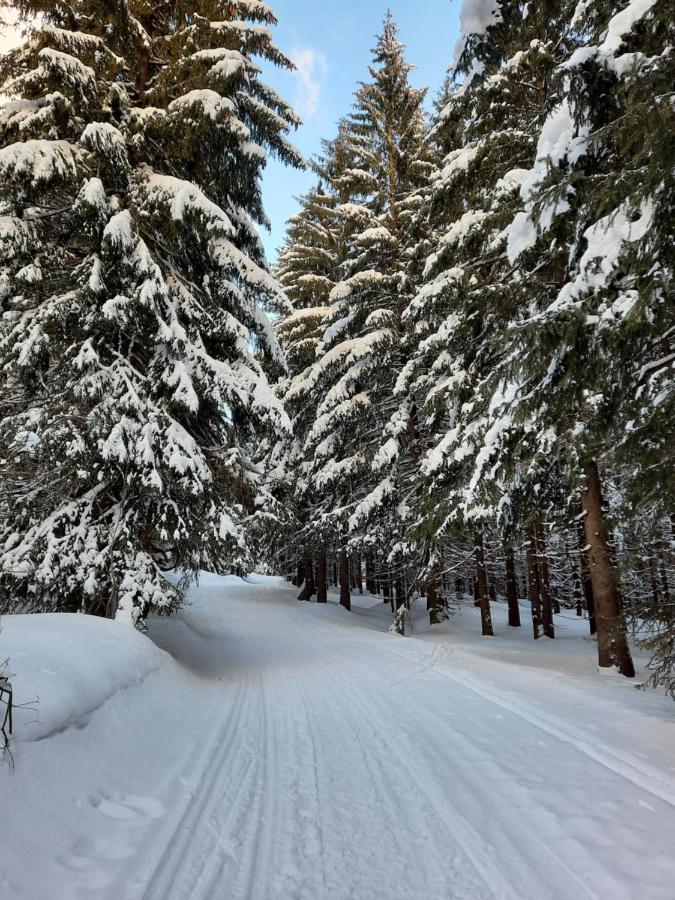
column 71, row 666
column 284, row 750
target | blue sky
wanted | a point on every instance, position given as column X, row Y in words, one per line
column 330, row 40
column 331, row 43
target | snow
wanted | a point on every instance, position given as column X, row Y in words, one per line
column 183, row 197
column 620, row 25
column 456, row 233
column 560, row 140
column 210, row 102
column 477, row 15
column 253, row 747
column 458, row 161
column 375, row 499
column 39, row 161
column 605, row 242
column 71, row 665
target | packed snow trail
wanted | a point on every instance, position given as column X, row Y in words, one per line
column 347, row 764
column 315, row 757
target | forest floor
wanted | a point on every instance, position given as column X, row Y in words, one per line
column 261, row 749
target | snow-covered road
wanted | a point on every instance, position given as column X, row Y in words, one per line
column 323, row 759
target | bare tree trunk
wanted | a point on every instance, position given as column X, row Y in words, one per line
column 481, row 587
column 533, row 583
column 586, row 581
column 665, row 589
column 345, row 593
column 359, row 573
column 613, row 647
column 143, row 75
column 400, row 594
column 544, row 584
column 113, row 601
column 308, row 588
column 435, row 599
column 654, row 580
column 371, row 584
column 322, row 578
column 512, row 589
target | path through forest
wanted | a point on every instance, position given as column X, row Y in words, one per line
column 291, row 751
column 349, row 763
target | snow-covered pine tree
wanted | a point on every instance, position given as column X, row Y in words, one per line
column 456, row 322
column 353, row 469
column 308, row 269
column 134, row 341
column 593, row 376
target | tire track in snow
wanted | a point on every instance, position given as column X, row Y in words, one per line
column 258, row 863
column 466, row 837
column 456, row 823
column 647, row 778
column 171, row 874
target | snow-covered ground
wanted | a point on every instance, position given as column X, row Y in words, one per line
column 261, row 748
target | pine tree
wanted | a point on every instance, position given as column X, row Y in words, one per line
column 456, row 322
column 309, row 268
column 593, row 266
column 359, row 427
column 134, row 341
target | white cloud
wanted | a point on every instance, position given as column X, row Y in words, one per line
column 311, row 70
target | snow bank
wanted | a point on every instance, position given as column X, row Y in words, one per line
column 70, row 665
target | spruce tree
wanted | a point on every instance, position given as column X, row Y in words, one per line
column 594, row 262
column 134, row 341
column 456, row 322
column 308, row 269
column 357, row 426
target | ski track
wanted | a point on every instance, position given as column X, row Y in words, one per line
column 342, row 765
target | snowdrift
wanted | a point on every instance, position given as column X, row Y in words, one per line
column 64, row 667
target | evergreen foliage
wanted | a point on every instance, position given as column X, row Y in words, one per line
column 471, row 357
column 134, row 341
column 497, row 352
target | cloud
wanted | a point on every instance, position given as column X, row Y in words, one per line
column 311, row 70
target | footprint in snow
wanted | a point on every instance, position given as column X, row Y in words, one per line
column 86, row 861
column 127, row 807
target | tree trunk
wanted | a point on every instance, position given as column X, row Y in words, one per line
column 544, row 584
column 345, row 593
column 512, row 589
column 385, row 589
column 435, row 599
column 359, row 573
column 400, row 594
column 665, row 589
column 533, row 583
column 299, row 573
column 352, row 573
column 481, row 588
column 322, row 578
column 308, row 589
column 586, row 581
column 613, row 647
column 371, row 584
column 143, row 75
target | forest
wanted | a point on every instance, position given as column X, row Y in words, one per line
column 344, row 572
column 456, row 379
